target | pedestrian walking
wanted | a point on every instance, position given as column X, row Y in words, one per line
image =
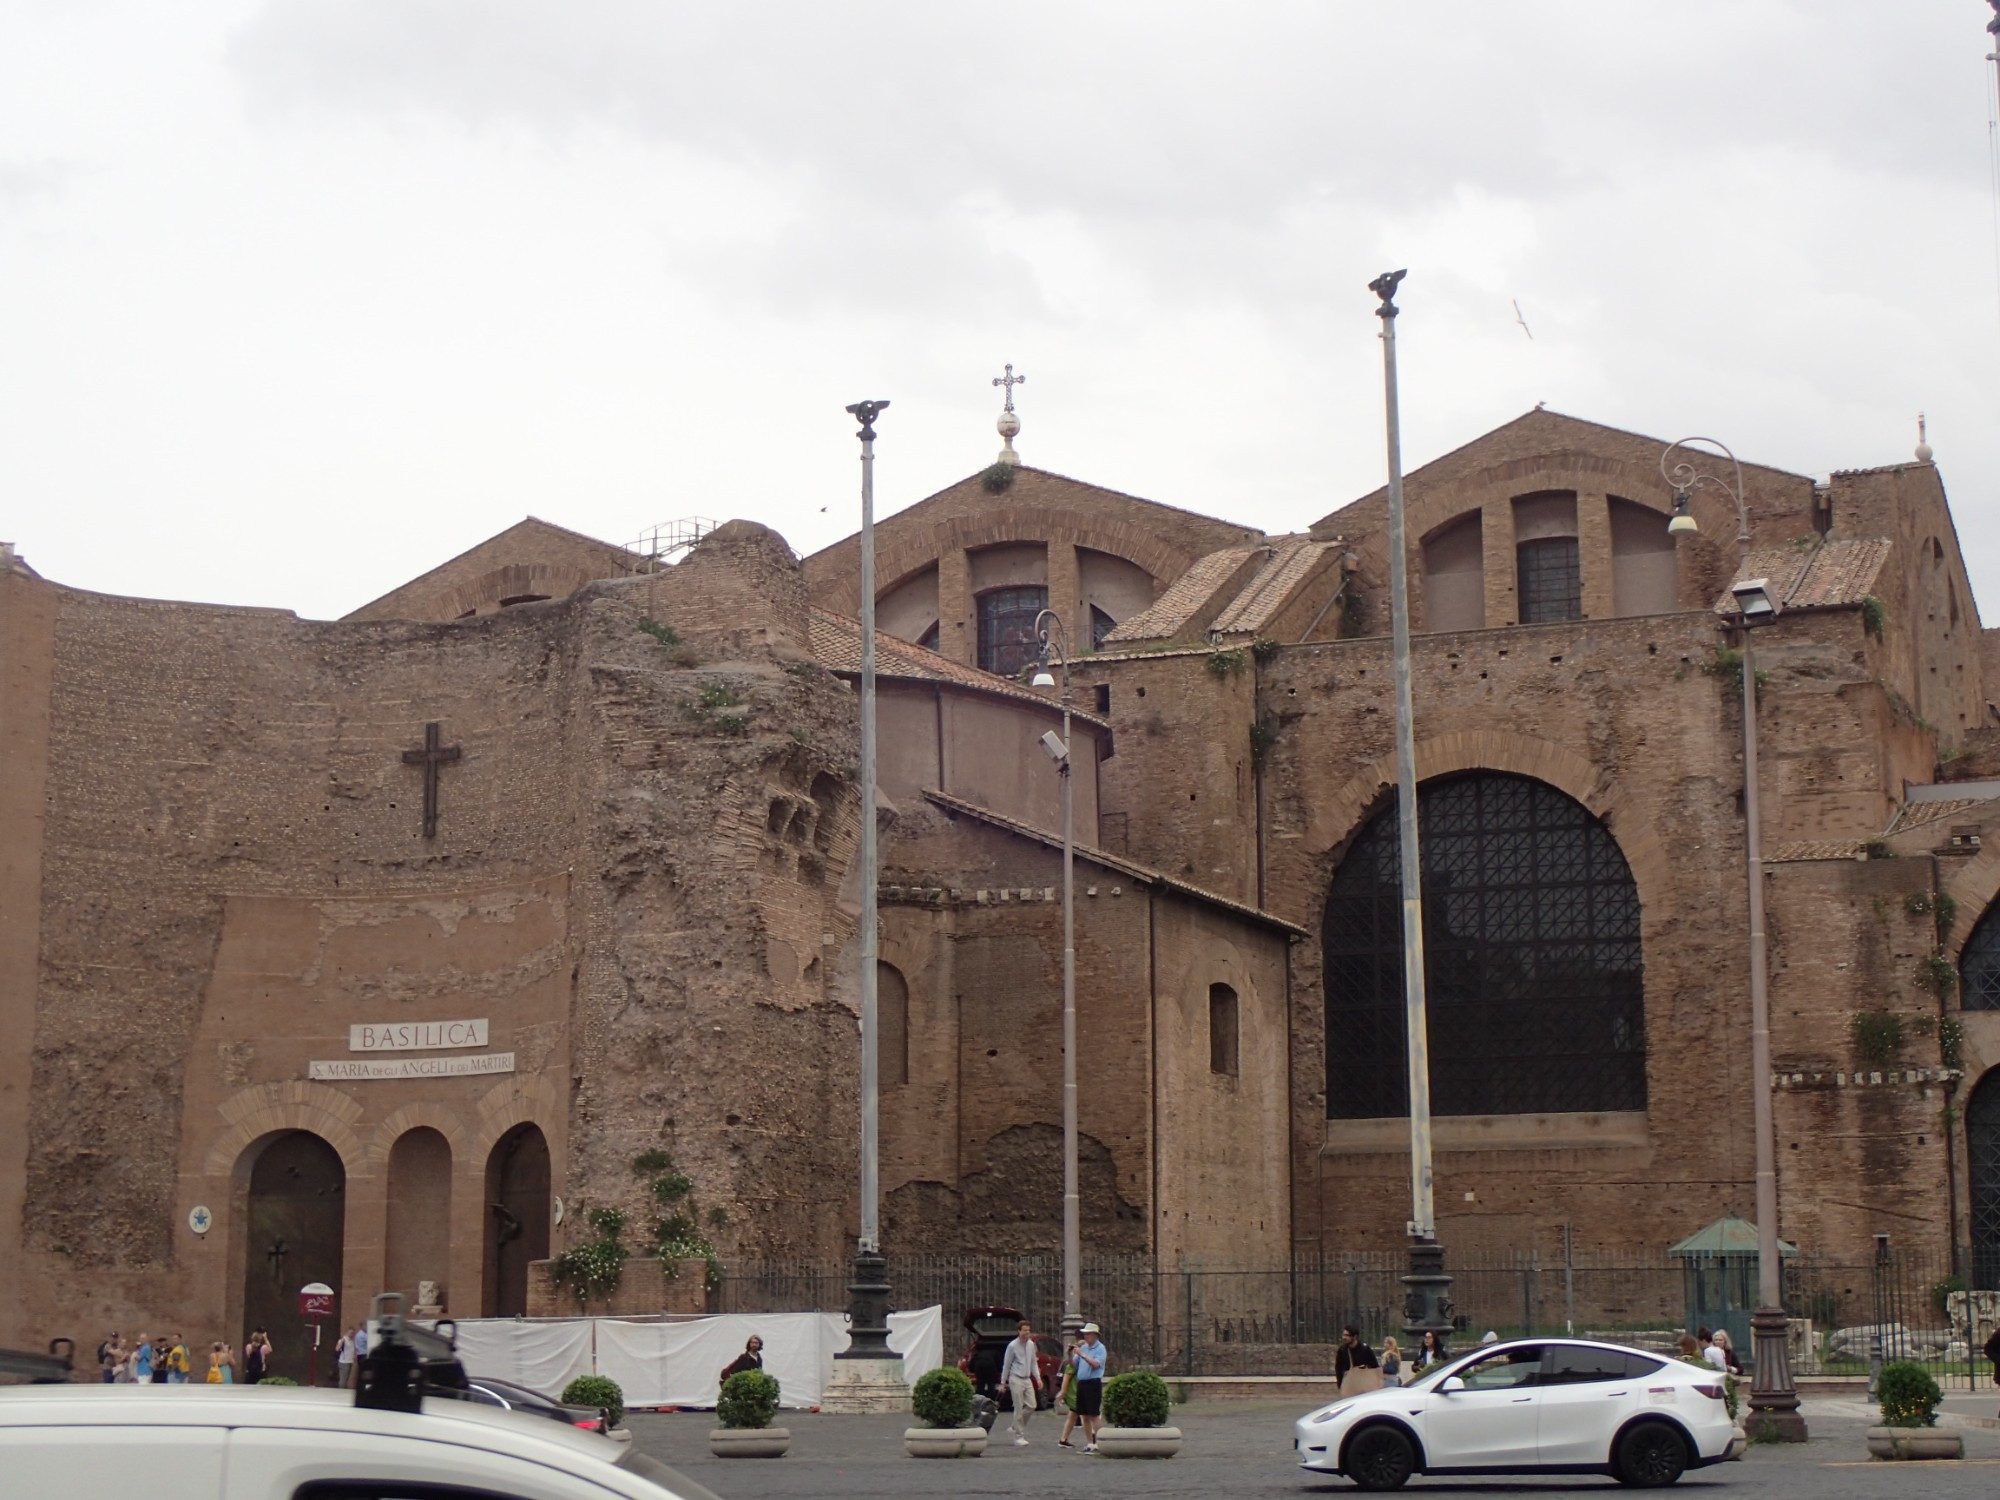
column 141, row 1361
column 1431, row 1350
column 1021, row 1379
column 1090, row 1358
column 1392, row 1362
column 256, row 1357
column 107, row 1358
column 343, row 1360
column 177, row 1362
column 1066, row 1393
column 159, row 1364
column 1713, row 1354
column 1355, row 1368
column 1732, row 1361
column 752, row 1358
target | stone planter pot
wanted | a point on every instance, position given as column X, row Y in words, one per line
column 944, row 1442
column 748, row 1442
column 1914, row 1442
column 1138, row 1442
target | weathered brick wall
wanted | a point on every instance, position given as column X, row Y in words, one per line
column 203, row 757
column 531, row 557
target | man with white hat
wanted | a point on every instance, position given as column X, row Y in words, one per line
column 1090, row 1357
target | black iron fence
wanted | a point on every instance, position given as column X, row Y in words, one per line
column 1848, row 1311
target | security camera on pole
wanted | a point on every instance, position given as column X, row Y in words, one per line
column 1427, row 1289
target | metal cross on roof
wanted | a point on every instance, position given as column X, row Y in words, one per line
column 1010, row 382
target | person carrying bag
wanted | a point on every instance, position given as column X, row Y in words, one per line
column 1355, row 1366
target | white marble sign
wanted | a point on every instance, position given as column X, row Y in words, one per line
column 410, row 1067
column 416, row 1036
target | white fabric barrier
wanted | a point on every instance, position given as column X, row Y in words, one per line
column 680, row 1364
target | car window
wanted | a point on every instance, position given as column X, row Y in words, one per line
column 1579, row 1364
column 1505, row 1369
column 1640, row 1365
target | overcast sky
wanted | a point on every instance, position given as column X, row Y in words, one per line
column 300, row 298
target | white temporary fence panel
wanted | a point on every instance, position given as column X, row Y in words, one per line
column 681, row 1364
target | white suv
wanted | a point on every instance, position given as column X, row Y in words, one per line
column 1547, row 1406
column 227, row 1442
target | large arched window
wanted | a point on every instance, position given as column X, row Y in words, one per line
column 1531, row 957
column 1979, row 964
column 1982, row 1167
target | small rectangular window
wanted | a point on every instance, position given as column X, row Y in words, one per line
column 1104, row 698
column 1222, row 1030
column 1550, row 580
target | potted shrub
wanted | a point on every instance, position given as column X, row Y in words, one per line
column 748, row 1401
column 606, row 1395
column 942, row 1401
column 1910, row 1400
column 1135, row 1418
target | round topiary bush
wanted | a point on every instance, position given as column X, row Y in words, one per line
column 600, row 1392
column 1908, row 1395
column 277, row 1380
column 749, row 1399
column 943, row 1398
column 1136, row 1400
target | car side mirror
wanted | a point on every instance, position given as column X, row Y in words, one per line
column 1449, row 1384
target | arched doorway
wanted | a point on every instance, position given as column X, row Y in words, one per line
column 419, row 1230
column 294, row 1225
column 517, row 1217
column 1982, row 1170
column 1532, row 958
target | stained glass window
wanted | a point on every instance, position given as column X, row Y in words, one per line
column 1007, row 628
column 1533, row 970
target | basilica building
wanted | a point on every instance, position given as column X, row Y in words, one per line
column 376, row 951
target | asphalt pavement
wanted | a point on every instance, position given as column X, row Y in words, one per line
column 1245, row 1448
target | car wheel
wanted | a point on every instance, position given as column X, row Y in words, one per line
column 1650, row 1456
column 1379, row 1458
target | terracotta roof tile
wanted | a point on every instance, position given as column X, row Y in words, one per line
column 1143, row 873
column 836, row 642
column 1807, row 849
column 1184, row 597
column 1266, row 594
column 1832, row 575
column 1918, row 814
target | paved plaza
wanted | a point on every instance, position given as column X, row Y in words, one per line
column 1244, row 1448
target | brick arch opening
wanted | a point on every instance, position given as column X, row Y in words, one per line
column 289, row 1192
column 1982, row 1169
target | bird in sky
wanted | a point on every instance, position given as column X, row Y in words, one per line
column 1521, row 320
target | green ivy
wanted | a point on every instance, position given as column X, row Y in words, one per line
column 676, row 1228
column 1874, row 618
column 1878, row 1035
column 1225, row 660
column 1938, row 975
column 1951, row 1042
column 1264, row 649
column 998, row 479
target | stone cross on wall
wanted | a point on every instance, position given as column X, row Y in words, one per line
column 430, row 758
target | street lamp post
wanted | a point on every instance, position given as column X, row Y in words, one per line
column 1426, row 1288
column 868, row 1294
column 1774, row 1402
column 1054, row 642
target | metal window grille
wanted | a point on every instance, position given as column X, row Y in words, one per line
column 1007, row 628
column 1534, row 974
column 1979, row 965
column 1550, row 580
column 1982, row 1166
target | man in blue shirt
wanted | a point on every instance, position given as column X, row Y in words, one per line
column 1090, row 1357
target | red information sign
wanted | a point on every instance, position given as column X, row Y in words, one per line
column 316, row 1300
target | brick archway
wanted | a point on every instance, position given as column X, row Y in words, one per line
column 1335, row 822
column 296, row 1105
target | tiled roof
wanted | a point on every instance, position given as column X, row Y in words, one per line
column 837, row 643
column 1184, row 597
column 1805, row 849
column 1829, row 576
column 1266, row 594
column 1145, row 874
column 1917, row 814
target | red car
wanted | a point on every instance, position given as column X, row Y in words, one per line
column 992, row 1330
